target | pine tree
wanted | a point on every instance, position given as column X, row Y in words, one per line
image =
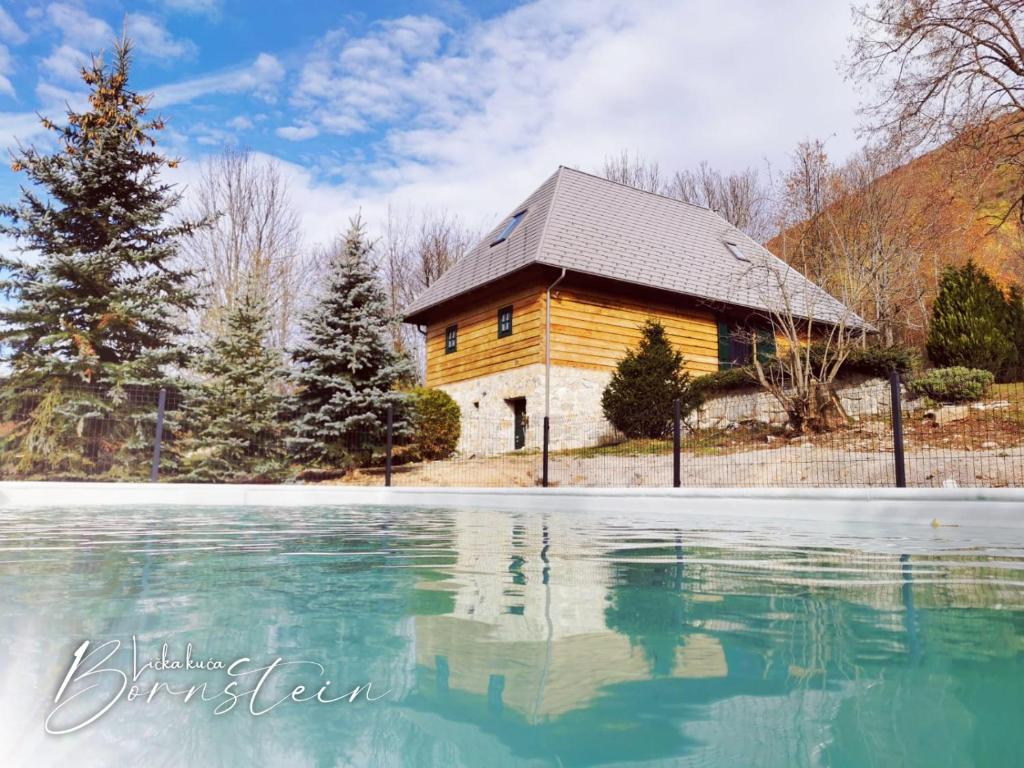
column 95, row 294
column 233, row 415
column 638, row 400
column 347, row 368
column 969, row 322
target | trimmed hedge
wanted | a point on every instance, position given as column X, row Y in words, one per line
column 720, row 382
column 436, row 424
column 868, row 361
column 878, row 361
column 952, row 385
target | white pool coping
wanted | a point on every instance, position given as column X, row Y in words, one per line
column 976, row 507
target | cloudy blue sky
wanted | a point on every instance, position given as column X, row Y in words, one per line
column 459, row 105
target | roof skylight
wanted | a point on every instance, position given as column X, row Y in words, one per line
column 507, row 229
column 734, row 249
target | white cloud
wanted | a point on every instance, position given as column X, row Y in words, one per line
column 81, row 31
column 260, row 78
column 54, row 97
column 18, row 125
column 474, row 119
column 349, row 83
column 64, row 63
column 6, row 65
column 199, row 7
column 299, row 132
column 9, row 29
column 151, row 38
column 211, row 136
column 78, row 28
column 323, row 209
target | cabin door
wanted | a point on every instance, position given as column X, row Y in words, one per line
column 518, row 422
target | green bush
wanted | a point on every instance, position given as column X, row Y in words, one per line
column 970, row 323
column 436, row 423
column 638, row 400
column 952, row 385
column 868, row 361
column 727, row 380
column 878, row 361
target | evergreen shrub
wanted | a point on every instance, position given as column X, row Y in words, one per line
column 638, row 399
column 952, row 385
column 970, row 323
column 436, row 423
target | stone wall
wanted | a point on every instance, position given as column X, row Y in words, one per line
column 487, row 415
column 577, row 421
column 861, row 396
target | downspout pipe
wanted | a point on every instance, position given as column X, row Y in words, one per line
column 547, row 345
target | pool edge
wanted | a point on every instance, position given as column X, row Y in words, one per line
column 1000, row 507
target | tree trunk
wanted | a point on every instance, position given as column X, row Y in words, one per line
column 818, row 411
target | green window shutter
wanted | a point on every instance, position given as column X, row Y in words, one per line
column 765, row 346
column 724, row 346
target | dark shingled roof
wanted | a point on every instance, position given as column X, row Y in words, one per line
column 593, row 226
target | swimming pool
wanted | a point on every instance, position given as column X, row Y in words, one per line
column 493, row 638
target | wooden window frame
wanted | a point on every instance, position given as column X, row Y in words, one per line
column 451, row 338
column 729, row 344
column 506, row 332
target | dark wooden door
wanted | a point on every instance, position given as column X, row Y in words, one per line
column 519, row 419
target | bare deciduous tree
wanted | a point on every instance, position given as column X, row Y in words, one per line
column 415, row 250
column 807, row 190
column 441, row 240
column 740, row 198
column 255, row 241
column 874, row 241
column 858, row 225
column 397, row 258
column 633, row 170
column 946, row 69
column 814, row 338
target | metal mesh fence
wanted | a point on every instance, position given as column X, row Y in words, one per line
column 966, row 444
column 93, row 433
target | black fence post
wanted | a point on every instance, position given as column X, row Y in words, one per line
column 387, row 458
column 161, row 404
column 677, row 475
column 897, row 428
column 547, row 436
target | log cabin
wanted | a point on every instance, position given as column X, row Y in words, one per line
column 533, row 320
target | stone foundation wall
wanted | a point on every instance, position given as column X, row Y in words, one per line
column 487, row 414
column 861, row 396
column 488, row 425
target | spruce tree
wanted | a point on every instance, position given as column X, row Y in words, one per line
column 638, row 400
column 95, row 294
column 346, row 366
column 969, row 324
column 233, row 415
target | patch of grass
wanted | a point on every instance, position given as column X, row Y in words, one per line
column 1012, row 391
column 710, row 442
column 700, row 442
column 636, row 447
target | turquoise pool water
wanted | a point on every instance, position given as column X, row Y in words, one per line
column 504, row 639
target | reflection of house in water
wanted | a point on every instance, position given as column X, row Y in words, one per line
column 669, row 646
column 533, row 636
